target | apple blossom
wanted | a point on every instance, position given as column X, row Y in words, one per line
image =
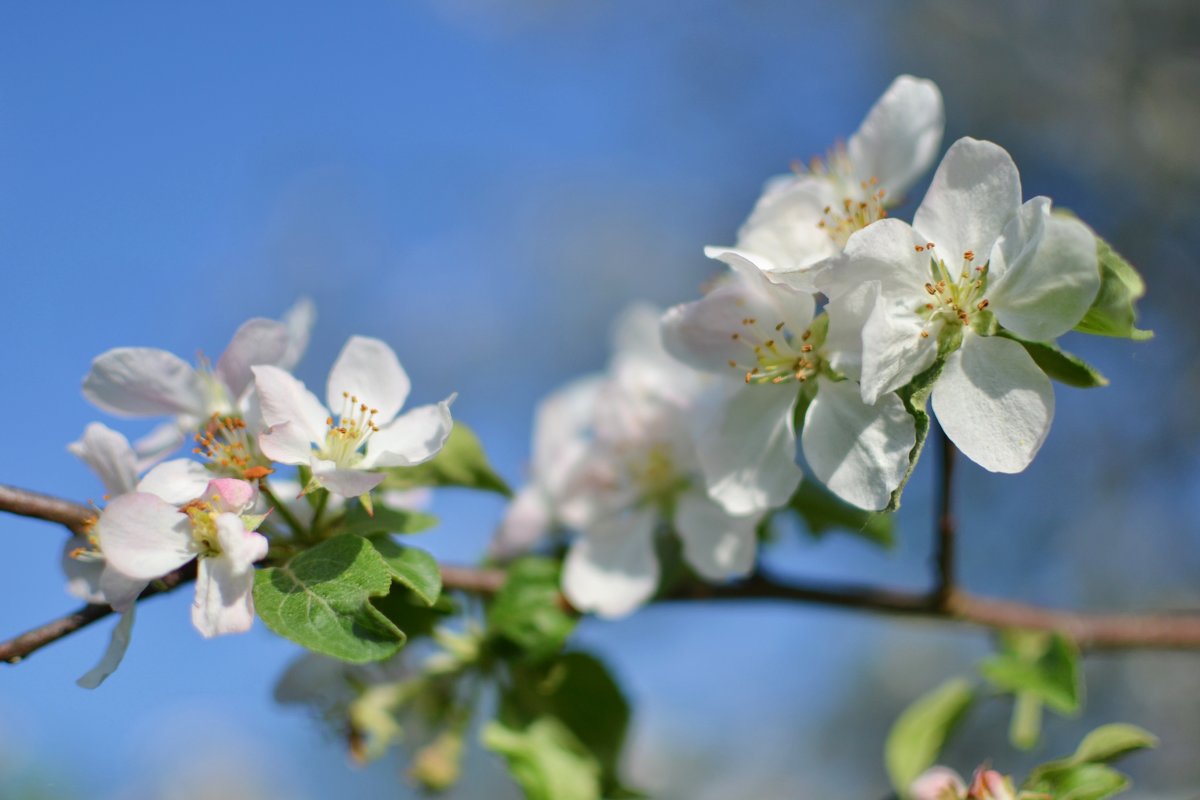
column 367, row 387
column 764, row 338
column 802, row 220
column 975, row 262
column 148, row 382
column 145, row 537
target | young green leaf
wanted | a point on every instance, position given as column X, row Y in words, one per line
column 1060, row 365
column 1112, row 312
column 385, row 520
column 527, row 611
column 918, row 735
column 414, row 568
column 546, row 760
column 823, row 511
column 1085, row 775
column 460, row 462
column 1109, row 742
column 321, row 600
column 1046, row 666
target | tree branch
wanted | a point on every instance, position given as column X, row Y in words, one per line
column 74, row 516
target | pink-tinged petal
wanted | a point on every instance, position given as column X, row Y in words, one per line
column 299, row 320
column 118, row 643
column 975, row 192
column 143, row 382
column 900, row 137
column 613, row 569
column 412, row 438
column 232, row 495
column 224, row 600
column 83, row 573
column 283, row 399
column 286, row 443
column 994, row 403
column 159, row 443
column 258, row 341
column 120, row 591
column 1044, row 273
column 178, row 481
column 526, row 522
column 717, row 544
column 346, row 482
column 369, row 370
column 784, row 228
column 937, row 783
column 144, row 536
column 859, row 451
column 109, row 455
column 746, row 444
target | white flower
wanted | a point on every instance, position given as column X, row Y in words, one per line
column 975, row 257
column 760, row 335
column 367, row 387
column 802, row 220
column 145, row 537
column 148, row 382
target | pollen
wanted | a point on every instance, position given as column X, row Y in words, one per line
column 230, row 450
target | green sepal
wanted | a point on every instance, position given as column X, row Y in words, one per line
column 823, row 511
column 1058, row 364
column 915, row 397
column 461, row 462
column 385, row 520
column 1112, row 312
column 321, row 600
column 918, row 735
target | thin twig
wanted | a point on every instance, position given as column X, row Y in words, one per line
column 945, row 522
column 74, row 516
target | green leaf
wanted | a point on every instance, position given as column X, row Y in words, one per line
column 546, row 760
column 461, row 462
column 1081, row 782
column 823, row 511
column 916, row 397
column 919, row 734
column 321, row 600
column 385, row 520
column 1112, row 312
column 1109, row 742
column 1044, row 665
column 1060, row 365
column 414, row 568
column 528, row 612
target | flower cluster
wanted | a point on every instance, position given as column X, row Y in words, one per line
column 833, row 320
column 247, row 415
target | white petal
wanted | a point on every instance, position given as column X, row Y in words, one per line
column 848, row 315
column 178, row 481
column 791, row 306
column 994, row 403
column 560, row 424
column 860, row 452
column 143, row 382
column 1045, row 273
column 975, row 192
column 239, row 546
column 224, row 601
column 159, row 443
column 283, row 398
column 286, row 443
column 257, row 341
column 83, row 574
column 346, row 482
column 109, row 455
column 717, row 544
column 746, row 444
column 900, row 137
column 613, row 568
column 412, row 438
column 120, row 591
column 526, row 522
column 144, row 536
column 884, row 251
column 894, row 349
column 118, row 643
column 784, row 228
column 700, row 333
column 369, row 370
column 299, row 320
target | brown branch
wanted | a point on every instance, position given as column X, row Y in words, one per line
column 74, row 516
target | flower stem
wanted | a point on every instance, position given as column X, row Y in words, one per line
column 297, row 528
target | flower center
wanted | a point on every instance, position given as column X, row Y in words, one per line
column 773, row 354
column 862, row 201
column 216, row 393
column 203, row 516
column 348, row 434
column 953, row 299
column 230, row 450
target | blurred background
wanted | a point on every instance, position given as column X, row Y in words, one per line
column 485, row 184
